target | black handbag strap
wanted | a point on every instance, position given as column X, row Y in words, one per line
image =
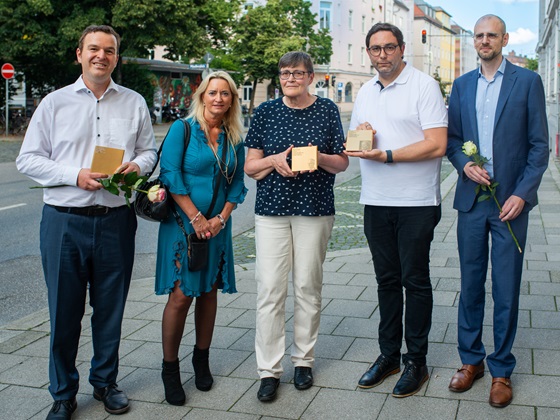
column 187, row 139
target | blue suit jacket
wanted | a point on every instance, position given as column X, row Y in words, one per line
column 520, row 142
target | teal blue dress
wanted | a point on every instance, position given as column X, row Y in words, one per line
column 194, row 173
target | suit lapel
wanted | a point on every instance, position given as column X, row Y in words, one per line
column 471, row 104
column 507, row 86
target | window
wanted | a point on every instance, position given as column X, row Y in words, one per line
column 350, row 19
column 349, row 53
column 364, row 29
column 348, row 92
column 247, row 91
column 363, row 56
column 325, row 10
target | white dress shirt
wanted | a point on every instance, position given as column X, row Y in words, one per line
column 64, row 131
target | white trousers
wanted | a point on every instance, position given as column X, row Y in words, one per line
column 284, row 244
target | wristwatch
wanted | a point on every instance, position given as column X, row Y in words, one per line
column 389, row 156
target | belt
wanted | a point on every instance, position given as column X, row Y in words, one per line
column 96, row 210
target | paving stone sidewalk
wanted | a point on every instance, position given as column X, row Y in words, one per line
column 347, row 344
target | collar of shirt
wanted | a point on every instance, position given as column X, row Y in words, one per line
column 79, row 85
column 401, row 79
column 500, row 70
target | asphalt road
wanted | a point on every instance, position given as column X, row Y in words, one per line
column 22, row 288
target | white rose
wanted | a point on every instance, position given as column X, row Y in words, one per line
column 469, row 148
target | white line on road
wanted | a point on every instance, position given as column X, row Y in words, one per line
column 13, row 207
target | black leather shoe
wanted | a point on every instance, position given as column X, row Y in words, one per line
column 62, row 410
column 303, row 377
column 267, row 391
column 377, row 373
column 411, row 381
column 115, row 400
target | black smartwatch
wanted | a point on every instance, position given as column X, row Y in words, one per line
column 389, row 156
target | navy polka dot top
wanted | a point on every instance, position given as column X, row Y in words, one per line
column 274, row 128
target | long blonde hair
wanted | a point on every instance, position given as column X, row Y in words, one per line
column 232, row 117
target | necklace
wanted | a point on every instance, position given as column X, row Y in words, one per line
column 224, row 166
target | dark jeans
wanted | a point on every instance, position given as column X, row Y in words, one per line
column 399, row 239
column 84, row 254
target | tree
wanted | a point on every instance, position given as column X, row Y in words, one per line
column 442, row 85
column 265, row 33
column 533, row 64
column 40, row 36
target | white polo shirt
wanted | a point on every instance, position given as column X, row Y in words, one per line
column 400, row 112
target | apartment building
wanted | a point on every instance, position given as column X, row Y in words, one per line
column 548, row 50
column 437, row 54
column 349, row 68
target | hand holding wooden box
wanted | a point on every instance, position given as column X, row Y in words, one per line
column 358, row 140
column 106, row 160
column 304, row 158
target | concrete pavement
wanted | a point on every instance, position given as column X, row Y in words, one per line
column 346, row 346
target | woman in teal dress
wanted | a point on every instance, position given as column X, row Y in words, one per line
column 191, row 176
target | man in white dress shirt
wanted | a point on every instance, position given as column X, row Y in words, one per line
column 87, row 234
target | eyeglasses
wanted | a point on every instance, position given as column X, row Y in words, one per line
column 490, row 36
column 376, row 49
column 298, row 74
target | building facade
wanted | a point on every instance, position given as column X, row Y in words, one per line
column 437, row 55
column 466, row 58
column 548, row 50
column 349, row 68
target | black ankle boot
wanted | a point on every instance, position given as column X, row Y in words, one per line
column 174, row 392
column 202, row 376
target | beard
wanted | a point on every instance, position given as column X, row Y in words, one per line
column 488, row 56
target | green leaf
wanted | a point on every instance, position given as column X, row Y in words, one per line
column 130, row 178
column 477, row 189
column 483, row 197
column 112, row 188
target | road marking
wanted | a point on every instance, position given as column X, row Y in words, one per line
column 13, row 207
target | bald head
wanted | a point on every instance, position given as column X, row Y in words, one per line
column 491, row 17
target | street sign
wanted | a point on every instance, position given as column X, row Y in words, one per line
column 7, row 71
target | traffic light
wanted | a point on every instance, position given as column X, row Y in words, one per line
column 333, row 80
column 327, row 77
column 423, row 36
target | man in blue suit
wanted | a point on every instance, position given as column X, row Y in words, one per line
column 501, row 108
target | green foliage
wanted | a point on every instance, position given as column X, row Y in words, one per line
column 533, row 64
column 265, row 33
column 40, row 37
column 139, row 79
column 442, row 85
column 125, row 183
column 231, row 64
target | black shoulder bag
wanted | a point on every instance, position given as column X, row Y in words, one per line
column 146, row 209
column 197, row 249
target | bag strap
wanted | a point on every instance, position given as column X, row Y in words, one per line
column 186, row 136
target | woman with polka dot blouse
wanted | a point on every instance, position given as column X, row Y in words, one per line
column 294, row 216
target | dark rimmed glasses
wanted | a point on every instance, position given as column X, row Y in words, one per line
column 298, row 74
column 375, row 50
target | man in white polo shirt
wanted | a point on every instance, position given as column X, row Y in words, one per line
column 401, row 194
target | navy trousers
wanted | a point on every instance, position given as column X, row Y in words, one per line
column 399, row 239
column 474, row 229
column 82, row 252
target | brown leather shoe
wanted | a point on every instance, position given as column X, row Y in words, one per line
column 464, row 378
column 501, row 393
